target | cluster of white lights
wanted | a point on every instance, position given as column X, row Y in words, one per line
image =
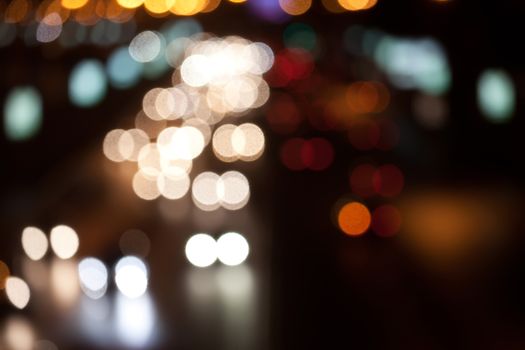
column 210, row 191
column 214, row 78
column 244, row 142
column 231, row 249
column 64, row 243
column 131, row 277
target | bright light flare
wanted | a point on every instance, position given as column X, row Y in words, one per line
column 131, row 276
column 34, row 243
column 17, row 292
column 201, row 250
column 64, row 241
column 93, row 276
column 232, row 249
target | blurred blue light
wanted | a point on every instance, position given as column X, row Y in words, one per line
column 123, row 71
column 183, row 28
column 496, row 95
column 414, row 64
column 22, row 113
column 269, row 10
column 87, row 83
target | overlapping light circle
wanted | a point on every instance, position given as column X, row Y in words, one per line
column 231, row 190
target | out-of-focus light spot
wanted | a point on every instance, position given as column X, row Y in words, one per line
column 211, row 5
column 34, row 243
column 222, row 143
column 158, row 6
column 361, row 180
column 149, row 103
column 131, row 276
column 317, row 154
column 64, row 241
column 185, row 143
column 130, row 4
column 49, row 28
column 22, row 113
column 4, row 274
column 237, row 1
column 93, row 276
column 17, row 11
column 149, row 161
column 204, row 191
column 357, row 5
column 44, row 345
column 173, row 187
column 145, row 186
column 248, row 141
column 290, row 65
column 201, row 250
column 367, row 97
column 151, row 127
column 269, row 10
column 295, row 7
column 175, row 50
column 386, row 220
column 110, row 146
column 131, row 142
column 195, row 70
column 233, row 190
column 123, row 71
column 420, row 64
column 232, row 249
column 300, row 35
column 87, row 83
column 496, row 95
column 73, row 4
column 388, row 180
column 430, row 111
column 333, row 6
column 135, row 321
column 17, row 292
column 145, row 47
column 263, row 57
column 202, row 126
column 188, row 7
column 135, row 242
column 171, row 103
column 155, row 68
column 354, row 219
column 18, row 334
column 64, row 282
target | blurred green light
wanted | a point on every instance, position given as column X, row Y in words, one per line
column 414, row 64
column 496, row 95
column 87, row 83
column 22, row 113
column 123, row 71
column 300, row 35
